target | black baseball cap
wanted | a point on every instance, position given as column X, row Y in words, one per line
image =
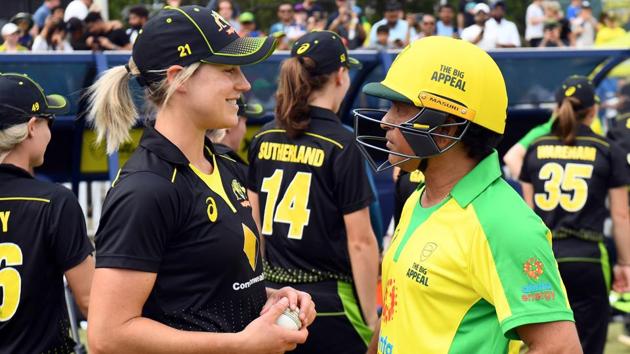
column 21, row 98
column 326, row 49
column 190, row 34
column 579, row 87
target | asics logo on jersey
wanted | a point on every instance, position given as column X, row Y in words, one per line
column 212, row 210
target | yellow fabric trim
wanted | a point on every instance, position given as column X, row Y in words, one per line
column 194, row 23
column 116, row 179
column 213, row 181
column 174, row 174
column 227, row 158
column 306, row 133
column 587, row 138
column 270, row 131
column 326, row 139
column 25, row 199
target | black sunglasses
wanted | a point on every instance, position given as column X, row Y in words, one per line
column 50, row 119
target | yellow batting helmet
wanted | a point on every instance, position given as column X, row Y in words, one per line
column 444, row 77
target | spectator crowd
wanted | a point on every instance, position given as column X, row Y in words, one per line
column 80, row 26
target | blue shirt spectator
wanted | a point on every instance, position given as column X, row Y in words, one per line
column 398, row 28
column 40, row 15
column 446, row 24
column 573, row 10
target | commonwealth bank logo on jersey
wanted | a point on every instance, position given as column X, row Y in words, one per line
column 536, row 290
column 250, row 246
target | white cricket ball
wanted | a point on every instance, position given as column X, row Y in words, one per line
column 290, row 320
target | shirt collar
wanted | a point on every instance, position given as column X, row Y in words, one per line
column 158, row 144
column 323, row 113
column 477, row 180
column 14, row 170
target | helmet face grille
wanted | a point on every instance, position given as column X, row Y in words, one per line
column 419, row 132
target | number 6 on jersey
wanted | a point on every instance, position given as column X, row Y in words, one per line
column 292, row 208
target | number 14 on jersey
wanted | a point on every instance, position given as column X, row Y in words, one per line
column 292, row 208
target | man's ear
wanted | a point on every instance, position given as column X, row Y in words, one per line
column 448, row 131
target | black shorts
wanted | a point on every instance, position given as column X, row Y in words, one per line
column 339, row 326
column 585, row 271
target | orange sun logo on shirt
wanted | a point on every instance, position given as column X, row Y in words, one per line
column 533, row 268
column 389, row 301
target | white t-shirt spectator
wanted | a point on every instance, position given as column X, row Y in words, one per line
column 76, row 8
column 533, row 31
column 40, row 45
column 587, row 37
column 398, row 32
column 506, row 32
column 488, row 40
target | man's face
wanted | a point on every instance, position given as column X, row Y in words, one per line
column 392, row 16
column 498, row 13
column 285, row 12
column 481, row 18
column 341, row 3
column 586, row 13
column 136, row 21
column 12, row 38
column 399, row 113
column 95, row 27
column 248, row 26
column 446, row 15
column 382, row 38
column 428, row 25
column 225, row 10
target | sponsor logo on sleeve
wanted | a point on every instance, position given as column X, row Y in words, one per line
column 536, row 290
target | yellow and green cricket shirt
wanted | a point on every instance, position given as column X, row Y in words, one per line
column 462, row 275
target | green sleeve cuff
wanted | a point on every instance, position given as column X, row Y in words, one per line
column 509, row 325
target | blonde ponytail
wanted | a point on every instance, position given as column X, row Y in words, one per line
column 10, row 137
column 111, row 107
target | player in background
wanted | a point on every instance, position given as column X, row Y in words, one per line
column 470, row 268
column 309, row 190
column 513, row 158
column 566, row 177
column 228, row 141
column 42, row 234
column 619, row 132
column 178, row 260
